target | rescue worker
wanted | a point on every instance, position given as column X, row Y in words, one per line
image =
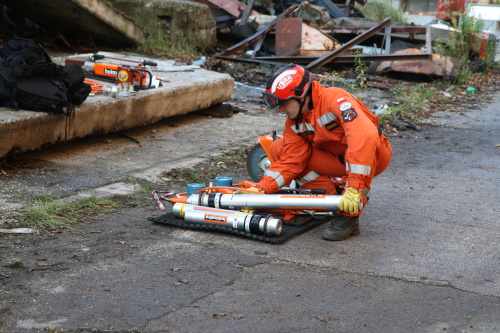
column 329, row 133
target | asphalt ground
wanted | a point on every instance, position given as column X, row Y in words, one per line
column 427, row 258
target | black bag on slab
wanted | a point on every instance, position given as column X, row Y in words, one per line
column 29, row 79
column 40, row 94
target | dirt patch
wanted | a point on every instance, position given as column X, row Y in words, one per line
column 231, row 163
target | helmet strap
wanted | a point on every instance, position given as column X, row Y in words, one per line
column 310, row 104
column 299, row 115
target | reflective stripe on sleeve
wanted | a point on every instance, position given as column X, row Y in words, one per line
column 326, row 118
column 358, row 168
column 307, row 178
column 276, row 176
column 303, row 128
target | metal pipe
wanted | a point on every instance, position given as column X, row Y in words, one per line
column 253, row 223
column 267, row 201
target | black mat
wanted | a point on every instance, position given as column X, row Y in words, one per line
column 290, row 229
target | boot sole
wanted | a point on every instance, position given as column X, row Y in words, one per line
column 354, row 232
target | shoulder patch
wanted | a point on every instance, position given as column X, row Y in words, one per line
column 332, row 125
column 345, row 106
column 349, row 115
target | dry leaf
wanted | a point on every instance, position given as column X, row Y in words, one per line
column 338, row 271
column 178, row 283
column 357, row 285
column 42, row 264
column 324, row 318
column 238, row 316
column 176, row 269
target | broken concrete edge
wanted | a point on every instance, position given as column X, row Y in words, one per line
column 101, row 23
column 114, row 19
column 185, row 92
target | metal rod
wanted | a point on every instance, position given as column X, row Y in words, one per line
column 267, row 201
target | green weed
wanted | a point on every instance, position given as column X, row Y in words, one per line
column 45, row 212
column 158, row 44
column 336, row 80
column 380, row 10
column 413, row 102
column 360, row 69
column 207, row 171
column 463, row 45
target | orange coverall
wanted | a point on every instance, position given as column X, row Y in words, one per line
column 338, row 137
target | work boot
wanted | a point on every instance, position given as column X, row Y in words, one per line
column 342, row 227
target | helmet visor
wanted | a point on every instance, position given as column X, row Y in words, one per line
column 272, row 101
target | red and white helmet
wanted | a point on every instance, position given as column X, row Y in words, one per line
column 291, row 81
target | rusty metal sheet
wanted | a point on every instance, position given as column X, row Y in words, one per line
column 335, row 53
column 438, row 65
column 256, row 36
column 288, row 36
column 316, row 43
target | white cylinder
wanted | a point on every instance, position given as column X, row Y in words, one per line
column 268, row 201
column 252, row 223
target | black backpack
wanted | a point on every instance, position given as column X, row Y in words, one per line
column 29, row 79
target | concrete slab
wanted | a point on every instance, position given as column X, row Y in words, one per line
column 189, row 88
column 73, row 19
column 181, row 22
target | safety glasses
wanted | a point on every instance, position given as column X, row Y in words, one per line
column 272, row 101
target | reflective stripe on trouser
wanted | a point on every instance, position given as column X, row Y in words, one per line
column 328, row 165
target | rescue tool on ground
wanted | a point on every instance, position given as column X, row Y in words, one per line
column 264, row 224
column 134, row 75
column 221, row 205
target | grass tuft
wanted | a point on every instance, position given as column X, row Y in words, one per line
column 380, row 10
column 46, row 213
